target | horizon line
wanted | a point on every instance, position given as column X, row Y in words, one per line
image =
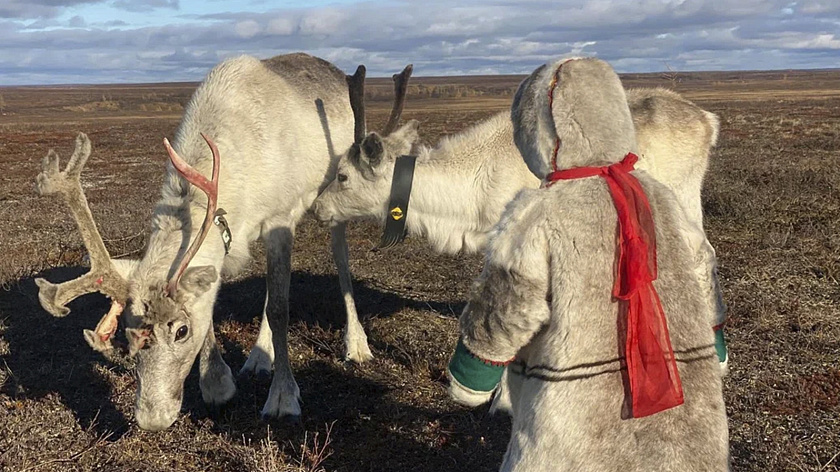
column 190, row 82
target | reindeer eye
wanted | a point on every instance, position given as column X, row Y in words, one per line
column 181, row 333
column 342, row 177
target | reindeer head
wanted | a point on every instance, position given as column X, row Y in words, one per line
column 159, row 326
column 364, row 173
column 165, row 336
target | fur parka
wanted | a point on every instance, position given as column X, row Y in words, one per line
column 543, row 304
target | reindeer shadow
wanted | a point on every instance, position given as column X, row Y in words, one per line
column 315, row 300
column 49, row 355
column 370, row 427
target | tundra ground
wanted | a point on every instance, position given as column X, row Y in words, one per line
column 772, row 202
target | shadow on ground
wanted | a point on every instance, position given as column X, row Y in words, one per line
column 48, row 356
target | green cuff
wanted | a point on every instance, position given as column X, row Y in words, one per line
column 473, row 372
column 720, row 345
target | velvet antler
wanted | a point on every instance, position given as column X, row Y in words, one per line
column 210, row 188
column 400, row 91
column 356, row 87
column 103, row 276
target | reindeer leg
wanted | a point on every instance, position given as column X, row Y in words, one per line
column 356, row 347
column 261, row 358
column 216, row 379
column 284, row 395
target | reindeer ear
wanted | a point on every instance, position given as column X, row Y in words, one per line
column 354, row 153
column 197, row 280
column 372, row 149
column 137, row 339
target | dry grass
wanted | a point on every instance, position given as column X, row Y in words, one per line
column 101, row 105
column 772, row 200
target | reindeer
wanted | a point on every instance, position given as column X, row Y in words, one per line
column 462, row 184
column 279, row 125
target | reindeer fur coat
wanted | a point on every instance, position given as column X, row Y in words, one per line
column 544, row 300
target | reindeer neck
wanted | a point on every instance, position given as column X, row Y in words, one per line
column 459, row 188
column 442, row 210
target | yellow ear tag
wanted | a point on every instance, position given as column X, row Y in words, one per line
column 396, row 213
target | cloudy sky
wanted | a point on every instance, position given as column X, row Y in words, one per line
column 108, row 41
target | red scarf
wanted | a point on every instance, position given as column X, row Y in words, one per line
column 652, row 370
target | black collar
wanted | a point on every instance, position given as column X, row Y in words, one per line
column 398, row 202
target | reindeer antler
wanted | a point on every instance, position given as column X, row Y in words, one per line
column 103, row 276
column 356, row 86
column 210, row 188
column 400, row 90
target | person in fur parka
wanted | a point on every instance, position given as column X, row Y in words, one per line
column 590, row 299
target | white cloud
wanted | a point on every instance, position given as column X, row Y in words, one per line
column 145, row 5
column 806, row 41
column 34, row 9
column 280, row 26
column 323, row 22
column 247, row 28
column 819, row 7
column 577, row 48
column 440, row 37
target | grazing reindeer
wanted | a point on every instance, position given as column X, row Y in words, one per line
column 462, row 184
column 279, row 126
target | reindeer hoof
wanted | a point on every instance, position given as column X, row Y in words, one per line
column 217, row 411
column 358, row 351
column 217, row 390
column 285, row 405
column 291, row 420
column 262, row 375
column 259, row 363
column 288, row 420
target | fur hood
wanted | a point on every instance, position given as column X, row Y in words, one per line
column 588, row 114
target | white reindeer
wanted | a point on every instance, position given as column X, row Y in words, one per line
column 273, row 131
column 461, row 185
